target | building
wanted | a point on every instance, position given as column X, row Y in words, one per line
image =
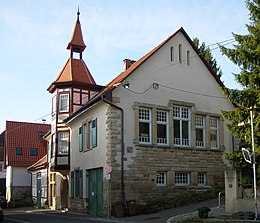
column 154, row 131
column 23, row 146
column 73, row 87
column 39, row 179
column 2, row 166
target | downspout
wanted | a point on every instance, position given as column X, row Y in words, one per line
column 122, row 148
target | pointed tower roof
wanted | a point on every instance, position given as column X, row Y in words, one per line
column 75, row 72
column 76, row 43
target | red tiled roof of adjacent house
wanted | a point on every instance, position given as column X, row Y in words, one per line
column 77, row 38
column 40, row 164
column 24, row 135
column 74, row 72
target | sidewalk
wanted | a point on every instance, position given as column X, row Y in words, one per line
column 159, row 217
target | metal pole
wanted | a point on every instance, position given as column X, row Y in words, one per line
column 254, row 166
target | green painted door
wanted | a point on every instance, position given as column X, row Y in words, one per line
column 39, row 191
column 96, row 192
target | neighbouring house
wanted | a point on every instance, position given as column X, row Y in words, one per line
column 23, row 146
column 154, row 131
column 39, row 179
column 2, row 166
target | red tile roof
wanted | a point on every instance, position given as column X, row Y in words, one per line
column 40, row 164
column 77, row 38
column 24, row 135
column 74, row 72
column 121, row 77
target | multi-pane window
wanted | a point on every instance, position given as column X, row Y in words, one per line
column 200, row 131
column 162, row 127
column 144, row 125
column 63, row 143
column 33, row 152
column 64, row 103
column 181, row 121
column 202, row 179
column 214, row 133
column 88, row 135
column 182, row 179
column 161, row 179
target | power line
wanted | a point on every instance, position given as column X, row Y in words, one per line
column 228, row 41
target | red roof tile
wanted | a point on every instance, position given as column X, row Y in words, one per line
column 40, row 164
column 24, row 135
column 74, row 72
column 77, row 38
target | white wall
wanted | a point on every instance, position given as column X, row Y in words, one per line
column 20, row 177
column 188, row 83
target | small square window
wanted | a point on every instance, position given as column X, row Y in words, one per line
column 41, row 135
column 202, row 179
column 33, row 152
column 18, row 151
column 161, row 178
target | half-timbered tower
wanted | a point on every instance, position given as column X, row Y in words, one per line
column 73, row 87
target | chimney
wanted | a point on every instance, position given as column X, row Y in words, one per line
column 128, row 63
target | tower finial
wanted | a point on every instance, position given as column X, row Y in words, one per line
column 78, row 13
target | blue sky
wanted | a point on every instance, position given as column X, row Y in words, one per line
column 35, row 34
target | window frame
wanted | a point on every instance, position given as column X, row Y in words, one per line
column 181, row 120
column 81, row 141
column 59, row 143
column 216, row 129
column 166, row 123
column 200, row 127
column 161, row 178
column 146, row 121
column 93, row 133
column 33, row 152
column 202, row 176
column 182, row 176
column 18, row 151
column 66, row 107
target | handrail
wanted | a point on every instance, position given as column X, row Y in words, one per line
column 219, row 197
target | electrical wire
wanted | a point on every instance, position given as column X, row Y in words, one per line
column 227, row 42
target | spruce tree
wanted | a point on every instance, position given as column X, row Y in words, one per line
column 205, row 51
column 246, row 55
